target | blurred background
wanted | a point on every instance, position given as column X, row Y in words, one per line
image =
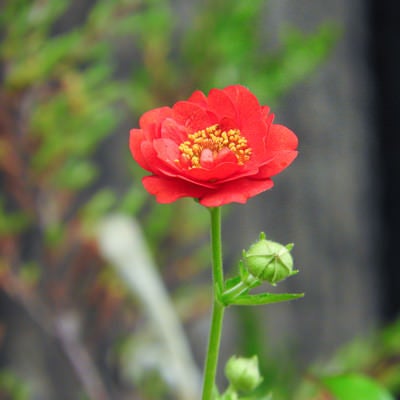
column 81, row 316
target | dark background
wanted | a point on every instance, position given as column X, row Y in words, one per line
column 385, row 61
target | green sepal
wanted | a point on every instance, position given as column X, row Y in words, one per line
column 264, row 298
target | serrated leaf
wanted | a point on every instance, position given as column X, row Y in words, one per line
column 265, row 298
column 356, row 386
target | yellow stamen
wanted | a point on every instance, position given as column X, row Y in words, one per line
column 214, row 139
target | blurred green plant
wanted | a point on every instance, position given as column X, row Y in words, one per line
column 236, row 51
column 367, row 368
column 12, row 387
column 72, row 74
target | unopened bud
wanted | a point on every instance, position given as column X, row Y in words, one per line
column 243, row 373
column 269, row 261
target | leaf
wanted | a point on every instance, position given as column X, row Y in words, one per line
column 356, row 386
column 265, row 298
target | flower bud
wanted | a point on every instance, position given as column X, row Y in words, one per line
column 269, row 261
column 243, row 373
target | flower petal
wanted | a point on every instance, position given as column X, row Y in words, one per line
column 167, row 150
column 135, row 141
column 251, row 117
column 214, row 175
column 199, row 98
column 170, row 129
column 168, row 190
column 150, row 155
column 281, row 147
column 278, row 162
column 221, row 105
column 265, row 112
column 192, row 115
column 247, row 105
column 281, row 138
column 235, row 191
column 153, row 116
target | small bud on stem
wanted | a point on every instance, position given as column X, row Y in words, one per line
column 269, row 261
column 243, row 373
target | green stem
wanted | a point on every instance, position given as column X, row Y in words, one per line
column 214, row 340
column 216, row 248
column 234, row 292
column 231, row 294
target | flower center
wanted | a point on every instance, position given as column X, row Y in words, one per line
column 206, row 146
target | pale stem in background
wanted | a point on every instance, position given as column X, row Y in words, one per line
column 122, row 243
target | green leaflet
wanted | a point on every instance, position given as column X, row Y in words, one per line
column 265, row 298
column 355, row 386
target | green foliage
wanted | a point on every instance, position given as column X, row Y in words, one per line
column 54, row 234
column 12, row 222
column 98, row 205
column 133, row 200
column 235, row 51
column 299, row 56
column 367, row 368
column 30, row 273
column 346, row 386
column 376, row 355
column 12, row 387
column 355, row 386
column 75, row 174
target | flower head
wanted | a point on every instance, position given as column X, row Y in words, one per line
column 219, row 149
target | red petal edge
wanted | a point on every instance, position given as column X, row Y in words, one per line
column 235, row 192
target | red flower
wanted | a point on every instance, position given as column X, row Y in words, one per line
column 218, row 149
